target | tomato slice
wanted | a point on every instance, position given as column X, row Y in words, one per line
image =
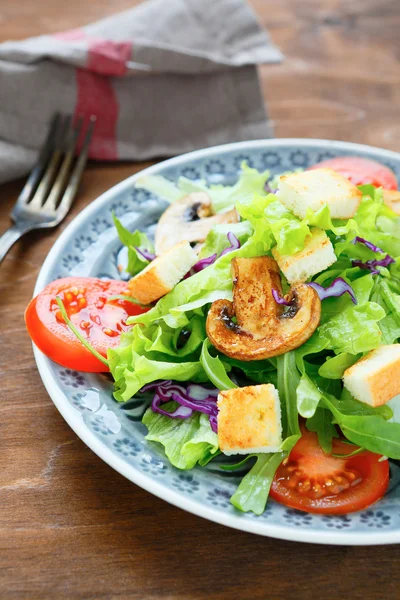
column 86, row 301
column 315, row 482
column 361, row 171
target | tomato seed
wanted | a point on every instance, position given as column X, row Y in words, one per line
column 82, row 303
column 110, row 332
column 59, row 317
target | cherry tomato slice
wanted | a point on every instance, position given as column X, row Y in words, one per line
column 361, row 171
column 315, row 482
column 86, row 301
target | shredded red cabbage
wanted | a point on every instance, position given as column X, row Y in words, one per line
column 371, row 264
column 145, row 253
column 369, row 245
column 279, row 300
column 337, row 288
column 234, row 244
column 205, row 262
column 194, row 398
column 268, row 188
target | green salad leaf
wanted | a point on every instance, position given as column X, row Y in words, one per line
column 186, row 442
column 170, row 340
column 137, row 239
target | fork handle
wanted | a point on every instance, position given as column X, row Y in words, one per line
column 9, row 238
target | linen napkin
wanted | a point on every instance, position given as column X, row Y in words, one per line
column 163, row 78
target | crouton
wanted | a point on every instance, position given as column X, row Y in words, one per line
column 163, row 273
column 392, row 199
column 316, row 256
column 375, row 379
column 249, row 420
column 312, row 189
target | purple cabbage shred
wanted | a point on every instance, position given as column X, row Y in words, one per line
column 371, row 264
column 279, row 300
column 193, row 398
column 234, row 244
column 337, row 288
column 206, row 262
column 268, row 188
column 370, row 245
column 145, row 253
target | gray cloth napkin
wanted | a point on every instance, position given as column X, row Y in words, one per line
column 163, row 78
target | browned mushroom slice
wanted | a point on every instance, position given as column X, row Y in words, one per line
column 254, row 326
column 191, row 219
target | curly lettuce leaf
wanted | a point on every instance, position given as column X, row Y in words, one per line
column 269, row 216
column 136, row 361
column 223, row 197
column 217, row 240
column 186, row 442
column 212, row 283
column 351, row 328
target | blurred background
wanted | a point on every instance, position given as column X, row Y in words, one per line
column 341, row 73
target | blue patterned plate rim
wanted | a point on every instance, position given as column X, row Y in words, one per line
column 93, row 441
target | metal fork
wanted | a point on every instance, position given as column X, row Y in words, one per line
column 52, row 185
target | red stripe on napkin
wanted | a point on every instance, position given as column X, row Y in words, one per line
column 96, row 96
column 95, row 93
column 107, row 57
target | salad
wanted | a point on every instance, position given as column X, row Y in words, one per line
column 260, row 327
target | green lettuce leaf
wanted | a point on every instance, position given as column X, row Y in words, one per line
column 308, row 397
column 223, row 197
column 215, row 368
column 384, row 296
column 135, row 362
column 133, row 240
column 334, row 367
column 288, row 231
column 186, row 442
column 287, row 383
column 321, row 423
column 252, row 492
column 368, row 428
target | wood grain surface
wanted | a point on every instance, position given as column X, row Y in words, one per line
column 71, row 527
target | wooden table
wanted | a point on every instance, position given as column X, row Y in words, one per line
column 71, row 527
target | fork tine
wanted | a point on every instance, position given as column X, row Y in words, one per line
column 75, row 178
column 51, row 169
column 62, row 177
column 42, row 161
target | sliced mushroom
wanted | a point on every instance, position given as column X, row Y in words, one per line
column 190, row 218
column 254, row 326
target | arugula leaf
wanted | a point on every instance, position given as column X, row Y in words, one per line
column 252, row 492
column 371, row 431
column 333, row 368
column 308, row 397
column 321, row 424
column 288, row 381
column 214, row 368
